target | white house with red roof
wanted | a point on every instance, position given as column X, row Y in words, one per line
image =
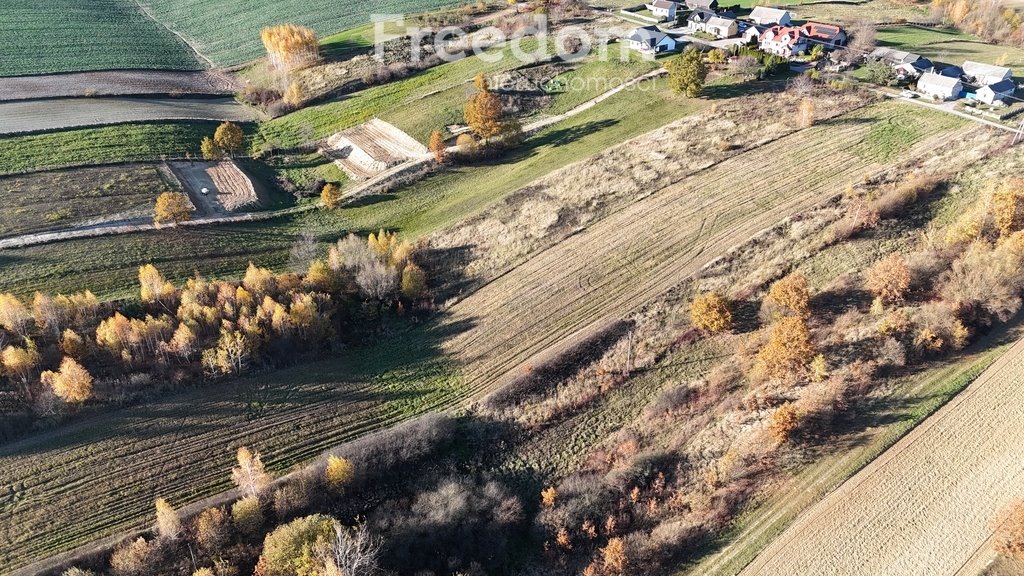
column 785, row 41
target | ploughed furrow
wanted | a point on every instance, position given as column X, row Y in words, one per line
column 929, row 502
column 567, row 292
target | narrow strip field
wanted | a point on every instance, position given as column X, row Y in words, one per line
column 180, row 448
column 115, row 83
column 929, row 503
column 46, row 115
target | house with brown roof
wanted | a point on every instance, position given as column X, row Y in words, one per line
column 829, row 36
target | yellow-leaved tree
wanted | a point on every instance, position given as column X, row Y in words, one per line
column 153, row 287
column 72, row 383
column 229, row 137
column 710, row 312
column 173, row 207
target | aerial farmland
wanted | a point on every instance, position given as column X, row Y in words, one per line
column 559, row 287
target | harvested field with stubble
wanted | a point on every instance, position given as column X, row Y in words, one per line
column 116, row 83
column 929, row 504
column 544, row 305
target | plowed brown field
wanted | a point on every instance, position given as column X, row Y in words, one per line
column 929, row 504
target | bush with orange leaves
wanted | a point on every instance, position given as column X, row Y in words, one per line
column 889, row 279
column 290, row 46
column 790, row 296
column 788, row 351
column 710, row 312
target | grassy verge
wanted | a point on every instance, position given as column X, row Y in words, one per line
column 108, row 265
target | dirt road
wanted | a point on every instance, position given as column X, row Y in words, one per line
column 929, row 504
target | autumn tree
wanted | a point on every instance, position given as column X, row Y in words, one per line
column 710, row 312
column 437, row 146
column 1008, row 206
column 212, row 529
column 14, row 315
column 294, row 95
column 247, row 514
column 153, row 287
column 788, row 350
column 483, row 110
column 414, row 282
column 18, row 364
column 889, row 279
column 173, row 207
column 331, row 196
column 338, row 473
column 687, row 72
column 229, row 137
column 72, row 344
column 72, row 383
column 289, row 45
column 210, row 150
column 249, row 475
column 613, row 556
column 805, row 113
column 353, row 551
column 790, row 295
column 784, row 423
column 1010, row 535
column 292, row 548
column 548, row 496
column 168, row 523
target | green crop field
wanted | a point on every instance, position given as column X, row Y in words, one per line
column 228, row 31
column 121, row 143
column 71, row 35
column 108, row 265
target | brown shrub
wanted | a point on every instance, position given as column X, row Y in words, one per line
column 791, row 296
column 1010, row 535
column 889, row 279
column 788, row 350
column 710, row 312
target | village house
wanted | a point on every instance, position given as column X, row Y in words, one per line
column 698, row 20
column 906, row 64
column 711, row 5
column 828, row 36
column 720, row 27
column 651, row 40
column 986, row 74
column 998, row 92
column 785, row 41
column 764, row 16
column 664, row 9
column 940, row 87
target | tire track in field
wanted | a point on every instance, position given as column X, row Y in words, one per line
column 929, row 503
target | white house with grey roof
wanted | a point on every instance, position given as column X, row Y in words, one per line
column 764, row 16
column 940, row 87
column 998, row 92
column 664, row 9
column 651, row 40
column 985, row 74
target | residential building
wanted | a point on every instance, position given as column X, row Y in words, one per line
column 722, row 27
column 905, row 64
column 664, row 9
column 764, row 16
column 651, row 40
column 702, row 5
column 786, row 41
column 829, row 36
column 986, row 74
column 998, row 92
column 940, row 87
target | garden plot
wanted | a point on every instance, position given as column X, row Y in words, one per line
column 227, row 188
column 57, row 114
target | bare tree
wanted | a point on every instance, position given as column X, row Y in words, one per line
column 303, row 251
column 377, row 281
column 862, row 40
column 355, row 550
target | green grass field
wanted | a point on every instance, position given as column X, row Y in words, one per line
column 950, row 46
column 70, row 35
column 119, row 143
column 108, row 265
column 228, row 31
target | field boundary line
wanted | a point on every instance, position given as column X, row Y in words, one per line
column 202, row 57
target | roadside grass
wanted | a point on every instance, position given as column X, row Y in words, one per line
column 108, row 144
column 62, row 36
column 109, row 265
column 53, row 200
column 181, row 447
column 594, row 77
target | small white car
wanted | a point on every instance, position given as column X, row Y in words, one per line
column 908, row 94
column 205, row 191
